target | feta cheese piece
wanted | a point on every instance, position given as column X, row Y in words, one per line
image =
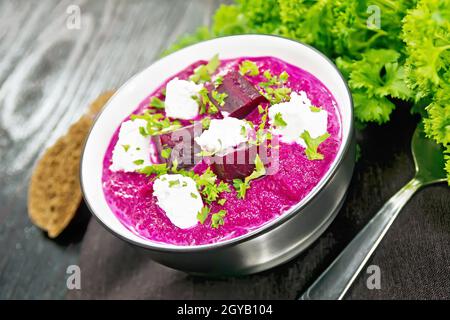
column 299, row 117
column 132, row 150
column 223, row 134
column 179, row 102
column 179, row 198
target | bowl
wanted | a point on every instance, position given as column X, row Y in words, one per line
column 275, row 242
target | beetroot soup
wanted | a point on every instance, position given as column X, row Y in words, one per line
column 220, row 149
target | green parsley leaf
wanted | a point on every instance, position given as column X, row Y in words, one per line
column 165, row 153
column 138, row 162
column 259, row 171
column 219, row 97
column 157, row 103
column 278, row 120
column 221, row 201
column 174, row 183
column 126, row 147
column 158, row 169
column 193, row 195
column 315, row 109
column 203, row 214
column 241, row 188
column 217, row 219
column 206, row 122
column 218, row 81
column 248, row 67
column 204, row 72
column 312, row 145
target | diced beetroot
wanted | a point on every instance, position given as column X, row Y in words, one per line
column 242, row 97
column 240, row 162
column 182, row 145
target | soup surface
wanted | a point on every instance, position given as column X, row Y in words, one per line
column 232, row 202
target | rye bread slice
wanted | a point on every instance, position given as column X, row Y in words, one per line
column 54, row 193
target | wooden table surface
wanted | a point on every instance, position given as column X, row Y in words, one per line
column 48, row 75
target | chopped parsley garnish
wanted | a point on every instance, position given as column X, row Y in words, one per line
column 243, row 131
column 261, row 110
column 221, row 201
column 219, row 97
column 165, row 153
column 157, row 103
column 279, row 121
column 242, row 186
column 205, row 102
column 158, row 169
column 175, row 165
column 156, row 123
column 205, row 153
column 203, row 214
column 218, row 81
column 193, row 195
column 174, row 183
column 248, row 67
column 217, row 219
column 312, row 145
column 273, row 88
column 205, row 122
column 261, row 133
column 315, row 109
column 138, row 162
column 204, row 72
column 126, row 147
column 206, row 183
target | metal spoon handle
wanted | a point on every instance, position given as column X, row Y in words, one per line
column 334, row 282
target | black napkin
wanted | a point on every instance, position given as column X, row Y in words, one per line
column 414, row 257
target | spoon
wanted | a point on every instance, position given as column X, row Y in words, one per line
column 334, row 282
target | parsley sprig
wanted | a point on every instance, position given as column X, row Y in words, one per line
column 248, row 67
column 156, row 123
column 242, row 186
column 273, row 88
column 312, row 144
column 204, row 72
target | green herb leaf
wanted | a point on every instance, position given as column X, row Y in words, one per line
column 219, row 97
column 315, row 109
column 206, row 122
column 173, row 183
column 259, row 171
column 158, row 169
column 241, row 188
column 221, row 201
column 138, row 162
column 278, row 121
column 193, row 195
column 217, row 219
column 312, row 145
column 203, row 214
column 126, row 147
column 157, row 103
column 204, row 72
column 165, row 153
column 248, row 67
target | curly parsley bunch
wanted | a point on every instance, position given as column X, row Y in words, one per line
column 406, row 56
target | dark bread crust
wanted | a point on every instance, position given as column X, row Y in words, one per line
column 54, row 193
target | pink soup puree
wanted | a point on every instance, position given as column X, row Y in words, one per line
column 130, row 194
